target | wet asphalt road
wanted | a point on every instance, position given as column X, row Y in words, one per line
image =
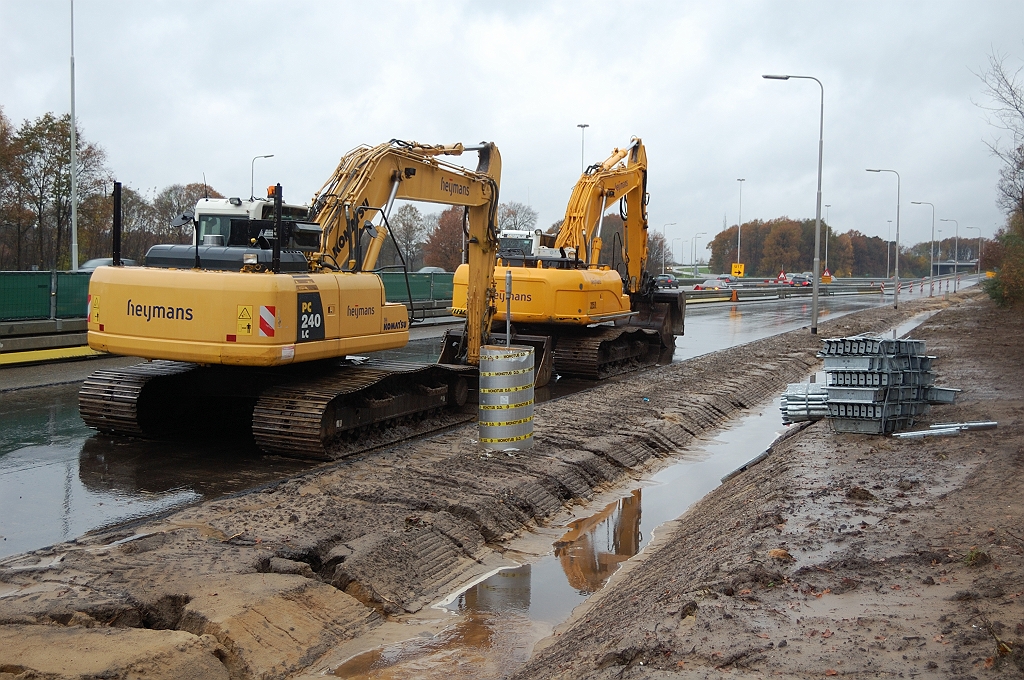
column 59, row 479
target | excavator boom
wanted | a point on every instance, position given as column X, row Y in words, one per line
column 368, row 180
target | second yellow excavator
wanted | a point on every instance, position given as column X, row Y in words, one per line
column 596, row 319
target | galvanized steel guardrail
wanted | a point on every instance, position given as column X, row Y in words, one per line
column 859, row 286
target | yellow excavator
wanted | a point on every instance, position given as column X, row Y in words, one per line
column 251, row 324
column 587, row 319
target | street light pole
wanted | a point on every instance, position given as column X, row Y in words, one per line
column 817, row 212
column 74, row 154
column 252, row 175
column 664, row 239
column 739, row 222
column 931, row 252
column 693, row 245
column 583, row 135
column 979, row 247
column 956, row 248
column 896, row 268
column 828, row 231
column 673, row 248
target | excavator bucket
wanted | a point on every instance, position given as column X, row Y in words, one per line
column 453, row 351
column 664, row 314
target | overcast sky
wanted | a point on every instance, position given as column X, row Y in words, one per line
column 175, row 89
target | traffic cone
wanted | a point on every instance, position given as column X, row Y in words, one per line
column 734, row 297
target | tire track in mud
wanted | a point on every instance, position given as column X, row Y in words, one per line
column 388, row 533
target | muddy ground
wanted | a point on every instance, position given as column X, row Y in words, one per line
column 840, row 554
column 276, row 581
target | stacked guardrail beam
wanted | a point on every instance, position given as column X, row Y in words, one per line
column 803, row 402
column 879, row 385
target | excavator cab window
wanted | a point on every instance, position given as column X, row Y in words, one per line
column 508, row 246
column 288, row 213
column 215, row 230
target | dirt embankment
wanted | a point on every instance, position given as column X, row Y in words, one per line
column 266, row 583
column 841, row 555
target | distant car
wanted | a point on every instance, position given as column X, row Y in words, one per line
column 90, row 265
column 800, row 280
column 431, row 270
column 666, row 281
column 726, row 277
column 711, row 284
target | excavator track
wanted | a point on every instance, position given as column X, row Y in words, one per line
column 305, row 418
column 606, row 352
column 109, row 399
column 303, row 411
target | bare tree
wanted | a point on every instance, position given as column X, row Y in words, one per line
column 514, row 215
column 173, row 200
column 1005, row 88
column 656, row 252
column 444, row 244
column 45, row 182
column 410, row 230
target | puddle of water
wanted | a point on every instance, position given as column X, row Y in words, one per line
column 59, row 479
column 500, row 619
column 476, row 646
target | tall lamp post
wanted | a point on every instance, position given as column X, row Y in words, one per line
column 583, row 136
column 828, row 230
column 693, row 251
column 931, row 252
column 739, row 221
column 672, row 250
column 252, row 175
column 817, row 212
column 664, row 238
column 896, row 268
column 956, row 248
column 979, row 247
column 74, row 154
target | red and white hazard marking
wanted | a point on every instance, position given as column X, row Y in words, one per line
column 267, row 319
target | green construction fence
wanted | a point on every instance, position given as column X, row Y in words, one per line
column 65, row 295
column 423, row 286
column 43, row 295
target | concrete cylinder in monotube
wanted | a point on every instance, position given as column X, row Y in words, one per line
column 506, row 397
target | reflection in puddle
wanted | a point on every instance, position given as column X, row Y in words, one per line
column 593, row 548
column 59, row 479
column 519, row 606
column 476, row 646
